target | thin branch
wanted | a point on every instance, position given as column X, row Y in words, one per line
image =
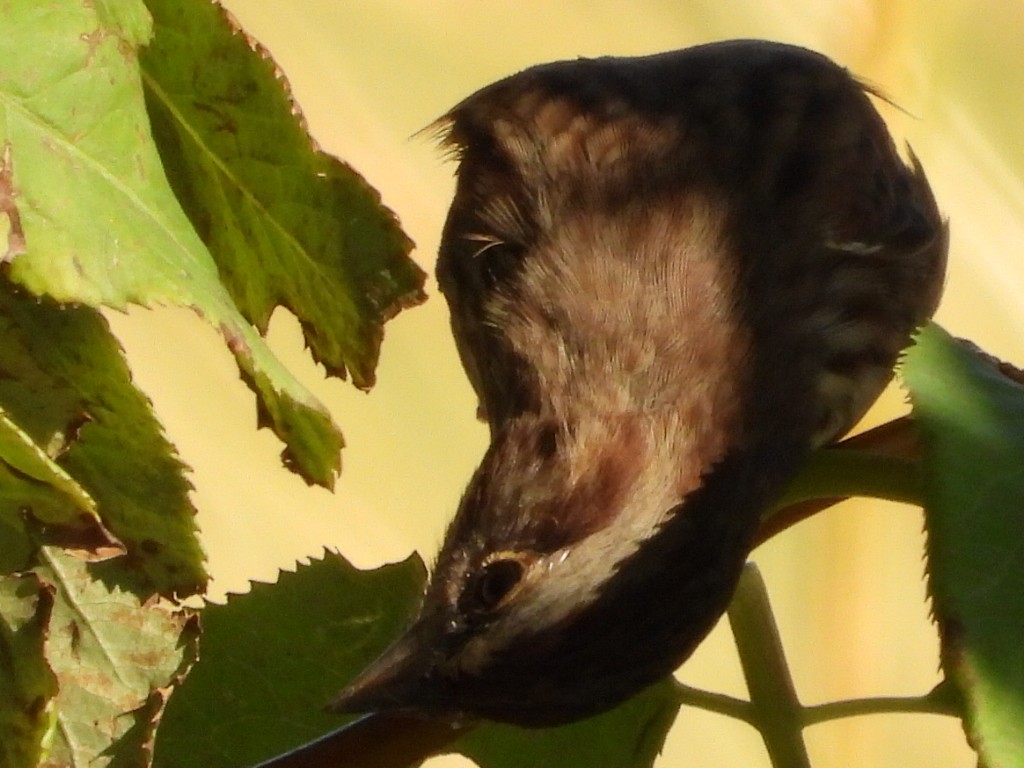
column 719, row 703
column 777, row 710
column 878, row 705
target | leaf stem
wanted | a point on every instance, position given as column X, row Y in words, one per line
column 842, row 472
column 832, row 475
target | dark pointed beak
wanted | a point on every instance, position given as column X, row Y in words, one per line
column 396, row 682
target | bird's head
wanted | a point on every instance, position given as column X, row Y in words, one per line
column 583, row 565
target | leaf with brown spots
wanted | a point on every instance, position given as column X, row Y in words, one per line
column 116, row 660
column 88, row 215
column 86, row 448
column 288, row 224
column 8, row 209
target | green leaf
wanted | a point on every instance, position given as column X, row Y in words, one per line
column 33, row 483
column 287, row 224
column 128, row 21
column 17, row 546
column 89, row 214
column 26, row 458
column 100, row 224
column 114, row 658
column 629, row 736
column 66, row 385
column 272, row 658
column 972, row 423
column 27, row 685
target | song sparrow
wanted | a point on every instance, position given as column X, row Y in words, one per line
column 670, row 277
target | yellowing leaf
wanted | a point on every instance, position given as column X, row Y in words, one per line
column 113, row 657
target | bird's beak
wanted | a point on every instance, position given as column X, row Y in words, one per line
column 396, row 682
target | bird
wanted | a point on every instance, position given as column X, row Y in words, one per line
column 670, row 278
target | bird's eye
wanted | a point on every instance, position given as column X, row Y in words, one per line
column 493, row 582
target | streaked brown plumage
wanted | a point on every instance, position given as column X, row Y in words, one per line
column 669, row 277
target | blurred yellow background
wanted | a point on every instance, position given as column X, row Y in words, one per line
column 847, row 587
